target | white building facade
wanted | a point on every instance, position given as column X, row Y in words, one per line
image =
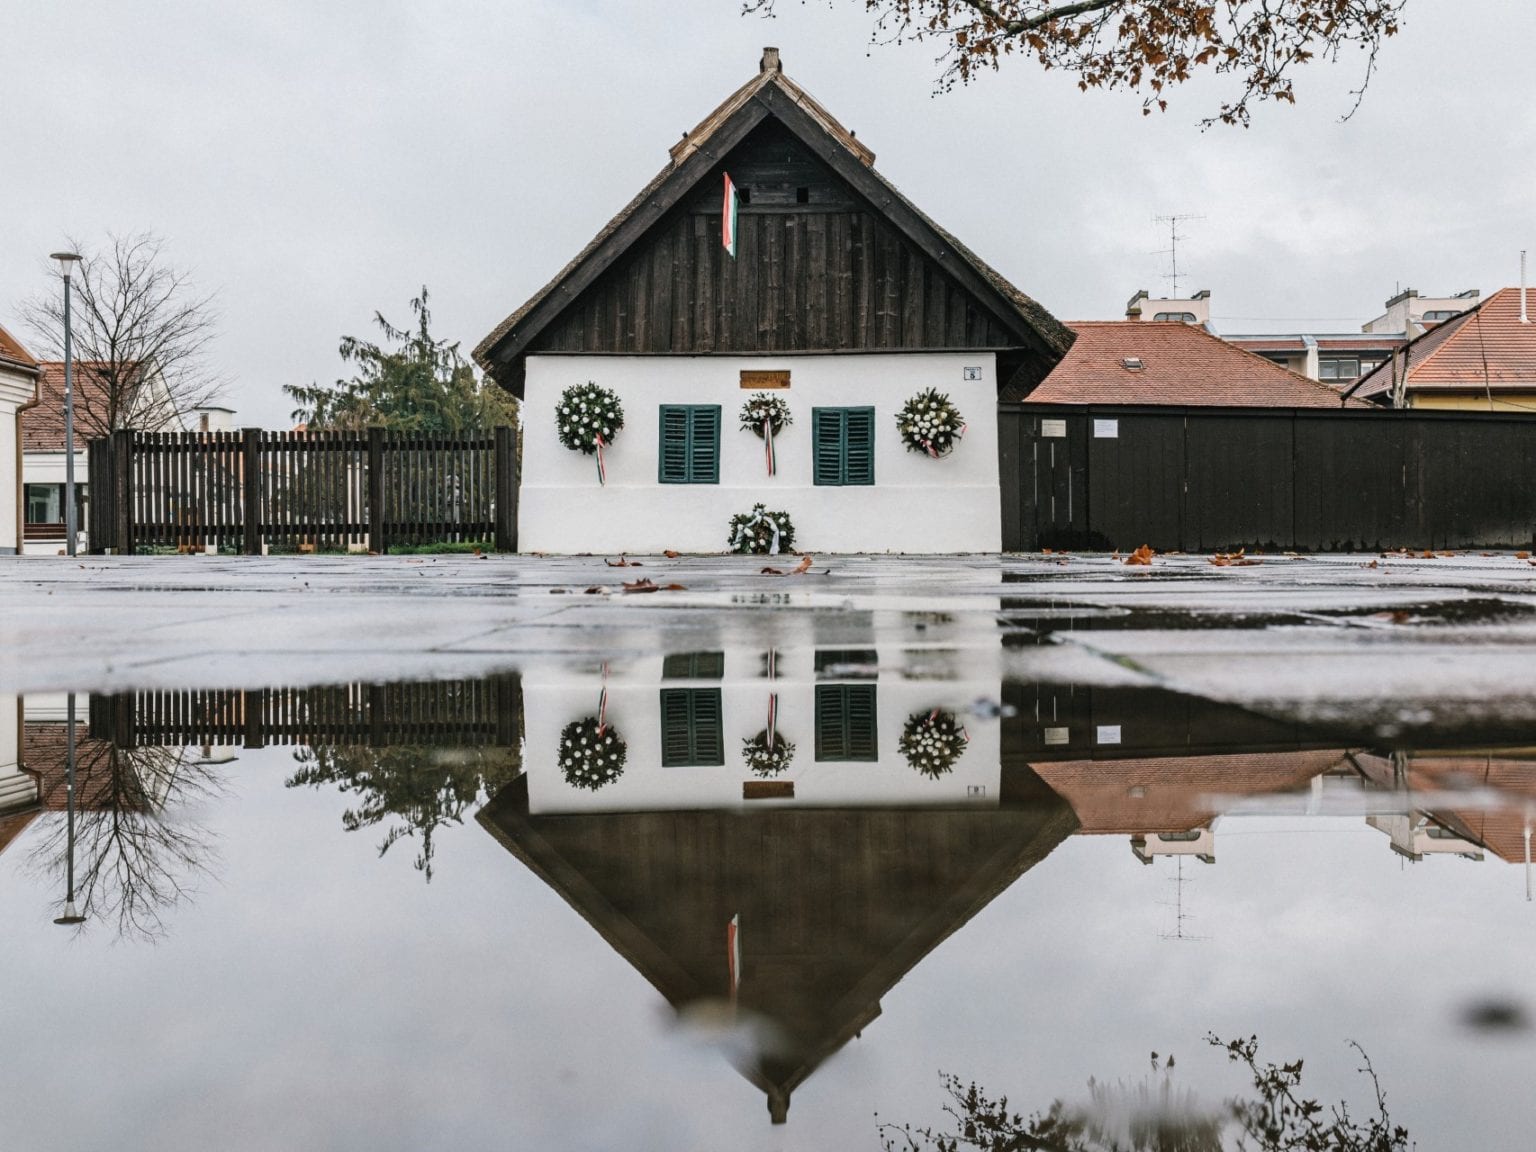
column 18, row 391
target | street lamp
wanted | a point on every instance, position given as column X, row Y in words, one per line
column 71, row 913
column 67, row 262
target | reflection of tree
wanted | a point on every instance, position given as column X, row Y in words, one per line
column 138, row 849
column 1155, row 1116
column 423, row 787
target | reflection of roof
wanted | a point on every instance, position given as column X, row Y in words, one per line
column 835, row 905
column 13, row 825
column 45, row 752
column 1486, row 347
column 1500, row 829
column 1173, row 363
column 769, row 94
column 1174, row 793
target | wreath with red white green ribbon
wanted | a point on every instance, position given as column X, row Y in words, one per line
column 587, row 419
column 592, row 753
column 766, row 415
column 767, row 753
column 930, row 423
column 932, row 742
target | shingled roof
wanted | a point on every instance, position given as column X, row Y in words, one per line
column 1485, row 349
column 769, row 94
column 12, row 354
column 1166, row 362
column 42, row 427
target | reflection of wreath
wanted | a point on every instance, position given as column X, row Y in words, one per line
column 761, row 533
column 932, row 742
column 591, row 755
column 766, row 761
column 586, row 413
column 930, row 423
column 761, row 407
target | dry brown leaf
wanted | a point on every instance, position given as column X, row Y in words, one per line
column 596, row 591
column 670, row 554
column 1372, row 564
column 641, row 585
column 623, row 562
column 1522, row 555
column 673, row 588
column 772, row 572
column 803, row 566
column 1142, row 555
column 1427, row 554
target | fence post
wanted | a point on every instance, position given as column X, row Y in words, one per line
column 376, row 540
column 250, row 475
column 121, row 485
column 506, row 489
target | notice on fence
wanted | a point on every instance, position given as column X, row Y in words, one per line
column 1053, row 429
column 1109, row 734
column 1106, row 429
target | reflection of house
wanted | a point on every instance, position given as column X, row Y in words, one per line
column 19, row 791
column 1479, row 360
column 838, row 293
column 1460, row 804
column 18, row 389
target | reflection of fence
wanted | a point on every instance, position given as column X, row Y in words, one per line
column 302, row 490
column 445, row 713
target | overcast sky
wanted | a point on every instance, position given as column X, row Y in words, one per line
column 315, row 161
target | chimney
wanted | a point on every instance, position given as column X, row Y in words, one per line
column 770, row 61
column 1524, row 316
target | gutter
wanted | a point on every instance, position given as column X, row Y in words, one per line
column 21, row 503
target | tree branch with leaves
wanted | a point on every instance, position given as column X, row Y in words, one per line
column 1145, row 46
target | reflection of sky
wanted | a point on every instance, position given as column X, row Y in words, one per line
column 313, row 995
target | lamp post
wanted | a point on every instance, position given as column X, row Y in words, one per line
column 67, row 262
column 71, row 913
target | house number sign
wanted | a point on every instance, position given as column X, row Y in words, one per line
column 756, row 380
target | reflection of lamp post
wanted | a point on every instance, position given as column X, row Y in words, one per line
column 71, row 914
column 67, row 261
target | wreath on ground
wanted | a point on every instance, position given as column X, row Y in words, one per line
column 766, row 759
column 932, row 742
column 591, row 754
column 930, row 423
column 765, row 408
column 761, row 533
column 588, row 416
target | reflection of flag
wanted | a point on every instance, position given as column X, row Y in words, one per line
column 733, row 953
column 728, row 218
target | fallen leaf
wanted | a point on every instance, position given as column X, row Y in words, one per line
column 1233, row 559
column 622, row 562
column 557, row 591
column 671, row 555
column 1522, row 555
column 803, row 566
column 1372, row 564
column 1142, row 555
column 1428, row 554
column 1045, row 552
column 1451, row 554
column 673, row 588
column 596, row 591
column 772, row 572
column 641, row 585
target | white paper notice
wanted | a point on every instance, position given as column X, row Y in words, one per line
column 1053, row 429
column 1106, row 429
column 1056, row 736
column 1109, row 734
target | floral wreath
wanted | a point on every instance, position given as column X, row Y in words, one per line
column 765, row 759
column 766, row 415
column 587, row 419
column 930, row 423
column 592, row 753
column 761, row 533
column 932, row 742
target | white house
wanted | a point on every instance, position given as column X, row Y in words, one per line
column 836, row 296
column 18, row 391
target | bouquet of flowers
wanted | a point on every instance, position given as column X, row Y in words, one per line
column 761, row 533
column 930, row 423
column 932, row 742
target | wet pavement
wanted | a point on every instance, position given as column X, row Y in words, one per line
column 405, row 853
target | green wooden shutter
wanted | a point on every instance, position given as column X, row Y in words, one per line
column 860, row 712
column 830, row 744
column 704, row 444
column 845, row 722
column 706, row 727
column 827, row 443
column 673, row 455
column 691, row 728
column 859, row 446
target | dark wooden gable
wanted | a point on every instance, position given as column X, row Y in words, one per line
column 816, row 269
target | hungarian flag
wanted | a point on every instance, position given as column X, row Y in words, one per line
column 728, row 218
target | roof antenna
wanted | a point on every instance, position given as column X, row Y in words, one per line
column 1173, row 223
column 1524, row 318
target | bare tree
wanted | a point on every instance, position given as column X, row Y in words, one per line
column 1144, row 45
column 141, row 332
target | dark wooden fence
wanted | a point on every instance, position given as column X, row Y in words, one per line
column 446, row 713
column 323, row 491
column 1310, row 480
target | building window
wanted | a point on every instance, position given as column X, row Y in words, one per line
column 693, row 666
column 690, row 444
column 1180, row 317
column 844, row 442
column 691, row 732
column 847, row 663
column 1440, row 314
column 45, row 503
column 845, row 722
column 1338, row 367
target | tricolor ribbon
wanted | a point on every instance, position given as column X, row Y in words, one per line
column 773, row 719
column 768, row 443
column 602, row 703
column 744, row 529
column 733, row 954
column 602, row 469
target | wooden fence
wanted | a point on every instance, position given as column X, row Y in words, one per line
column 1306, row 479
column 253, row 490
column 444, row 713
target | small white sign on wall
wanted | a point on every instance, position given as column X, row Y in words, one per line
column 1056, row 736
column 1053, row 429
column 1109, row 734
column 972, row 374
column 1106, row 429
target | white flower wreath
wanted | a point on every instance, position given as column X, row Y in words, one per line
column 585, row 413
column 932, row 742
column 765, row 407
column 930, row 423
column 591, row 754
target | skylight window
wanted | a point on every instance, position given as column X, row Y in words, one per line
column 1133, row 363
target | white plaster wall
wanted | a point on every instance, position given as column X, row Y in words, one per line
column 916, row 504
column 10, row 737
column 49, row 467
column 15, row 390
column 552, row 698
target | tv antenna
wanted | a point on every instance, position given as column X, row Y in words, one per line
column 1172, row 251
column 1180, row 917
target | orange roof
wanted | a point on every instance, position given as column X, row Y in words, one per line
column 1500, row 829
column 42, row 428
column 1179, row 364
column 1485, row 348
column 11, row 349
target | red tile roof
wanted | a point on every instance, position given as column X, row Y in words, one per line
column 1182, row 365
column 11, row 349
column 1485, row 348
column 42, row 428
